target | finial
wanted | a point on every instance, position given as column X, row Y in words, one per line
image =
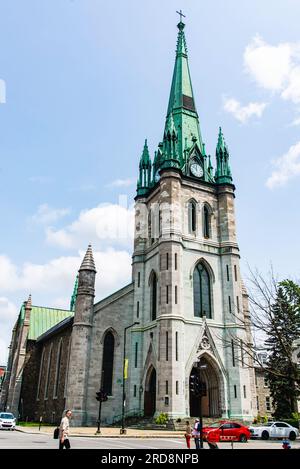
column 88, row 260
column 180, row 25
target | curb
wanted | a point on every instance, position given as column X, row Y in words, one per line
column 80, row 435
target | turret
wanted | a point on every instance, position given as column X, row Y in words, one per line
column 145, row 166
column 223, row 172
column 81, row 339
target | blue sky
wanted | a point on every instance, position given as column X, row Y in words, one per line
column 84, row 82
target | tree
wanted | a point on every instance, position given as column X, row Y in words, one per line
column 272, row 330
column 281, row 333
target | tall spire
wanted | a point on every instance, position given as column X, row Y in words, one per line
column 223, row 172
column 88, row 260
column 181, row 100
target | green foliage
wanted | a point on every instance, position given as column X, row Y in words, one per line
column 284, row 328
column 162, row 419
column 265, row 419
column 293, row 422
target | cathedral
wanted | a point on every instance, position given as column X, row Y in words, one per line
column 184, row 314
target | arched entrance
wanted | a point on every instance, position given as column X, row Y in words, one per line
column 211, row 388
column 150, row 393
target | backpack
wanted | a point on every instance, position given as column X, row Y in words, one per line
column 56, row 433
column 198, row 427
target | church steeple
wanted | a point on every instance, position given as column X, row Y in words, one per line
column 181, row 100
column 223, row 172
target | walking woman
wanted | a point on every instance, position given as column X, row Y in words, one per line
column 188, row 434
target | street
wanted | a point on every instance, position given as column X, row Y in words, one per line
column 14, row 440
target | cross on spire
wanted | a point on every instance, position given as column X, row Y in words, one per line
column 180, row 14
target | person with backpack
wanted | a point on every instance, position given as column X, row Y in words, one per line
column 64, row 441
column 196, row 433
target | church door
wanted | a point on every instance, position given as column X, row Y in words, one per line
column 211, row 394
column 150, row 394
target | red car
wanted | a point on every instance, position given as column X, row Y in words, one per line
column 226, row 431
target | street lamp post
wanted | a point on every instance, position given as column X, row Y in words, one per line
column 123, row 430
column 201, row 394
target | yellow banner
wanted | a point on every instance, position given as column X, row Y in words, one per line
column 126, row 368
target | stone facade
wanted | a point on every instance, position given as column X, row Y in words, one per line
column 184, row 221
column 44, row 378
column 264, row 401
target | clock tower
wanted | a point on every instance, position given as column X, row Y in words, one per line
column 189, row 297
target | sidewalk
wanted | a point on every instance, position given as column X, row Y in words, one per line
column 106, row 432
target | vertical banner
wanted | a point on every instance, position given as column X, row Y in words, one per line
column 126, row 368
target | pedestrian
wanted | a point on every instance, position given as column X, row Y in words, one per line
column 196, row 434
column 212, row 438
column 64, row 441
column 188, row 434
column 286, row 444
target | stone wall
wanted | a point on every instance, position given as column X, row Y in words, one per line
column 34, row 404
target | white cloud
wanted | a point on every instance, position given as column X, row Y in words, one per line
column 8, row 316
column 46, row 214
column 268, row 65
column 51, row 284
column 121, row 183
column 243, row 113
column 287, row 167
column 275, row 68
column 108, row 224
column 296, row 121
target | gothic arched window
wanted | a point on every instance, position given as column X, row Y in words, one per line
column 206, row 222
column 153, row 296
column 108, row 362
column 192, row 214
column 202, row 292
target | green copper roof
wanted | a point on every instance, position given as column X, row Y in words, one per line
column 42, row 319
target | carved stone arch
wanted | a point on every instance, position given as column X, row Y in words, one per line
column 206, row 265
column 213, row 380
column 150, row 392
column 114, row 333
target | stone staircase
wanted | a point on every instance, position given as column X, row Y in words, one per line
column 143, row 423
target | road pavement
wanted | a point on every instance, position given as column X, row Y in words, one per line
column 41, row 440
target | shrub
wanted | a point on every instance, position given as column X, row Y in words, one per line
column 162, row 419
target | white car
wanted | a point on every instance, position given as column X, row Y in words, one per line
column 274, row 430
column 7, row 421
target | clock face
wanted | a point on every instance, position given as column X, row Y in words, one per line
column 196, row 170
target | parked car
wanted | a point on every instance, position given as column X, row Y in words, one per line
column 274, row 430
column 227, row 431
column 7, row 421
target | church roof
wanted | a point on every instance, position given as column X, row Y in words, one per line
column 42, row 319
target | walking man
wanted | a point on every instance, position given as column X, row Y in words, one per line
column 64, row 431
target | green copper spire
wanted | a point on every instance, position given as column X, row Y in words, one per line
column 145, row 166
column 223, row 172
column 181, row 100
column 74, row 295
